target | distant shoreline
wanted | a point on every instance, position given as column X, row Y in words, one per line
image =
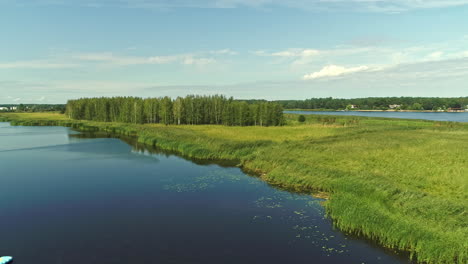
column 413, row 111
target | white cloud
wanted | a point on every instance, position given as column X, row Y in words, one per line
column 284, row 54
column 435, row 55
column 189, row 60
column 298, row 56
column 309, row 53
column 17, row 99
column 157, row 60
column 223, row 52
column 290, row 53
column 334, row 71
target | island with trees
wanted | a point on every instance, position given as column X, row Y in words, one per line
column 193, row 110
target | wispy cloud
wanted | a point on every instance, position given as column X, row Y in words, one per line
column 334, row 71
column 37, row 64
column 295, row 53
column 298, row 56
column 387, row 6
column 379, row 54
column 121, row 60
column 435, row 55
column 189, row 60
column 110, row 59
column 224, row 52
column 116, row 60
column 289, row 53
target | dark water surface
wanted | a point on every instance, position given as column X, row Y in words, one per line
column 74, row 200
column 435, row 116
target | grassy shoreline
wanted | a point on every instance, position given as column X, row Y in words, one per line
column 402, row 183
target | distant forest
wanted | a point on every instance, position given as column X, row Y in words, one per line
column 378, row 103
column 32, row 107
column 193, row 110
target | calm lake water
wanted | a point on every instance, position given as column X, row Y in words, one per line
column 68, row 199
column 436, row 116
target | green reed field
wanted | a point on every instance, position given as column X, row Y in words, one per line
column 402, row 183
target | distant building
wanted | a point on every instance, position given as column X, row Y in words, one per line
column 394, row 106
column 4, row 108
column 453, row 109
column 350, row 107
column 13, row 108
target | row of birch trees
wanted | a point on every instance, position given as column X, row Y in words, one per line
column 192, row 110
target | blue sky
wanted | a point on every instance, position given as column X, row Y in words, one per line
column 54, row 50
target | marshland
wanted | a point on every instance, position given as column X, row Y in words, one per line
column 399, row 183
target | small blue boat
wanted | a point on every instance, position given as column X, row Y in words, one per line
column 5, row 260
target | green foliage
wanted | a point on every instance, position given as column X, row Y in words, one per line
column 416, row 106
column 193, row 110
column 301, row 118
column 402, row 183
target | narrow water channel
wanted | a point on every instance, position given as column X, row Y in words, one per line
column 68, row 199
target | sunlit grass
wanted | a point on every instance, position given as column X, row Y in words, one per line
column 403, row 183
column 35, row 116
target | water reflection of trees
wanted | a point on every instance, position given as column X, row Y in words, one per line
column 146, row 149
